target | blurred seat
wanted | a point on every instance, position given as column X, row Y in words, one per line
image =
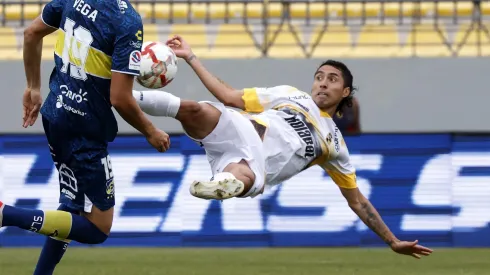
column 474, row 40
column 151, row 33
column 194, row 34
column 274, row 10
column 425, row 40
column 331, row 41
column 284, row 41
column 8, row 38
column 376, row 41
column 332, row 10
column 233, row 41
column 9, row 45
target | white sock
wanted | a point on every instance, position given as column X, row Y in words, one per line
column 223, row 175
column 157, row 103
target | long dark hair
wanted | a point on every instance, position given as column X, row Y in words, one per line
column 348, row 82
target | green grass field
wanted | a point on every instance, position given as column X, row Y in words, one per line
column 294, row 261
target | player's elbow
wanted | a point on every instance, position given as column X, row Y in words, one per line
column 355, row 205
column 234, row 101
column 35, row 32
column 32, row 39
column 353, row 197
column 230, row 103
column 119, row 100
column 29, row 35
column 32, row 34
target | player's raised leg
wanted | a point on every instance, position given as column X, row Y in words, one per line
column 86, row 187
column 53, row 223
column 205, row 123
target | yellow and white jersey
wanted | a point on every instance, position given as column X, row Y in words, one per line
column 297, row 135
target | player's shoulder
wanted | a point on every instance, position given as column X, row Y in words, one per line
column 289, row 90
column 123, row 13
column 283, row 88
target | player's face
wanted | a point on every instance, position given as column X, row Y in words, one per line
column 328, row 88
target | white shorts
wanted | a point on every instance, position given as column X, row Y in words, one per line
column 234, row 138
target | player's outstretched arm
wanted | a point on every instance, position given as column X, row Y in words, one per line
column 33, row 44
column 123, row 101
column 222, row 91
column 370, row 216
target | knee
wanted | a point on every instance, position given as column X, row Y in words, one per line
column 105, row 228
column 99, row 238
column 190, row 107
column 242, row 172
column 102, row 232
column 102, row 220
column 248, row 176
column 189, row 110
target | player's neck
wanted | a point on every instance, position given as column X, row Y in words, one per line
column 327, row 112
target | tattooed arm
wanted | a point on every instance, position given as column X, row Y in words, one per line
column 370, row 216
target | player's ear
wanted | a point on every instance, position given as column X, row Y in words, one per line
column 346, row 92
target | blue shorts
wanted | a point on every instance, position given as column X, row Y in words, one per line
column 84, row 168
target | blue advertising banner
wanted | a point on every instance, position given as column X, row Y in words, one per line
column 434, row 188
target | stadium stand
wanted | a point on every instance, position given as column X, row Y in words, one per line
column 287, row 29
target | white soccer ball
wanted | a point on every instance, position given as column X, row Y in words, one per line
column 158, row 65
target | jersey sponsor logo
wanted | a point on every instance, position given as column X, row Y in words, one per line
column 78, row 97
column 135, row 56
column 54, row 234
column 299, row 97
column 67, row 177
column 329, row 138
column 61, row 104
column 304, row 133
column 135, row 44
column 336, row 139
column 110, row 190
column 135, row 60
column 123, row 6
column 37, row 223
column 68, row 193
column 139, row 35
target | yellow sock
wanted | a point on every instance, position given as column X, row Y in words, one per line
column 56, row 224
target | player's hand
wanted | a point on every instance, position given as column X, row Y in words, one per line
column 411, row 249
column 159, row 140
column 180, row 47
column 31, row 102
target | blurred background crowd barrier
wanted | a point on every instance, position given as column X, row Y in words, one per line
column 297, row 29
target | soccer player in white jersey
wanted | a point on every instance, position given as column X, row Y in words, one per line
column 281, row 132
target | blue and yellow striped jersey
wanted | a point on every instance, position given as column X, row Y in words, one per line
column 95, row 38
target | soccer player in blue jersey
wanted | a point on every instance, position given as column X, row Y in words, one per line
column 96, row 57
